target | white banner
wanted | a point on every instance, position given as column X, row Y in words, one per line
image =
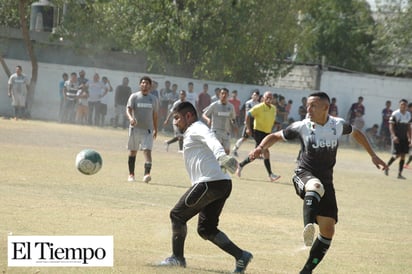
column 60, row 251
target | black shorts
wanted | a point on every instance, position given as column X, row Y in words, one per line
column 259, row 136
column 328, row 205
column 206, row 199
column 401, row 148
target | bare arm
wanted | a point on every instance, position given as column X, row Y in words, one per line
column 266, row 143
column 363, row 141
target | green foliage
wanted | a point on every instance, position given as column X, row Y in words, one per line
column 244, row 41
column 341, row 31
column 394, row 40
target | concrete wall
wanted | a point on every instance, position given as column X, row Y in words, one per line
column 46, row 103
column 347, row 87
column 344, row 86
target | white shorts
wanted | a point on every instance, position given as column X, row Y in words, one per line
column 18, row 99
column 140, row 139
column 223, row 137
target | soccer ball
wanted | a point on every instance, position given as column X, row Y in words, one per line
column 88, row 161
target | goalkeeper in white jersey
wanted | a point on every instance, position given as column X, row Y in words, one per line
column 204, row 159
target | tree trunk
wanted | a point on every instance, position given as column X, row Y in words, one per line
column 23, row 4
column 5, row 67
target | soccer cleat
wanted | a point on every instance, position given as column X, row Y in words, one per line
column 166, row 146
column 131, row 178
column 309, row 234
column 180, row 151
column 173, row 261
column 242, row 263
column 147, row 178
column 386, row 172
column 273, row 177
column 401, row 177
column 239, row 171
column 407, row 167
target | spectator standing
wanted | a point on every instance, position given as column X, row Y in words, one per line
column 191, row 95
column 121, row 95
column 164, row 100
column 82, row 80
column 236, row 105
column 281, row 115
column 178, row 135
column 400, row 128
column 65, row 77
column 96, row 89
column 355, row 108
column 219, row 116
column 253, row 101
column 302, row 108
column 333, row 108
column 142, row 111
column 216, row 96
column 384, row 131
column 203, row 99
column 210, row 189
column 154, row 90
column 265, row 116
column 18, row 90
column 104, row 101
column 410, row 148
column 82, row 109
column 71, row 88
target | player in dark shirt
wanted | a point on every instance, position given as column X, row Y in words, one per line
column 319, row 134
column 400, row 129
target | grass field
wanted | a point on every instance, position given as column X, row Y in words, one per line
column 43, row 194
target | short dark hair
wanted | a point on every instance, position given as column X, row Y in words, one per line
column 322, row 95
column 185, row 107
column 147, row 78
column 403, row 101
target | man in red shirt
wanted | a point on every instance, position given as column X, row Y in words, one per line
column 236, row 105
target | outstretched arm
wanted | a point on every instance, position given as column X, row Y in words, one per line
column 266, row 143
column 363, row 141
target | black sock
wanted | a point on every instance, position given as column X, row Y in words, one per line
column 147, row 167
column 174, row 139
column 391, row 160
column 244, row 162
column 132, row 161
column 310, row 207
column 267, row 165
column 222, row 241
column 178, row 239
column 409, row 160
column 180, row 144
column 401, row 163
column 317, row 252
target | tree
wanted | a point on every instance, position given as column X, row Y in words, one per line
column 11, row 11
column 240, row 41
column 393, row 42
column 341, row 31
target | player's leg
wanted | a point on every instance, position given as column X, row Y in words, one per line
column 208, row 224
column 321, row 244
column 190, row 204
column 147, row 145
column 258, row 136
column 133, row 147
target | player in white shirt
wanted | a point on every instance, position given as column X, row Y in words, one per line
column 219, row 116
column 204, row 158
